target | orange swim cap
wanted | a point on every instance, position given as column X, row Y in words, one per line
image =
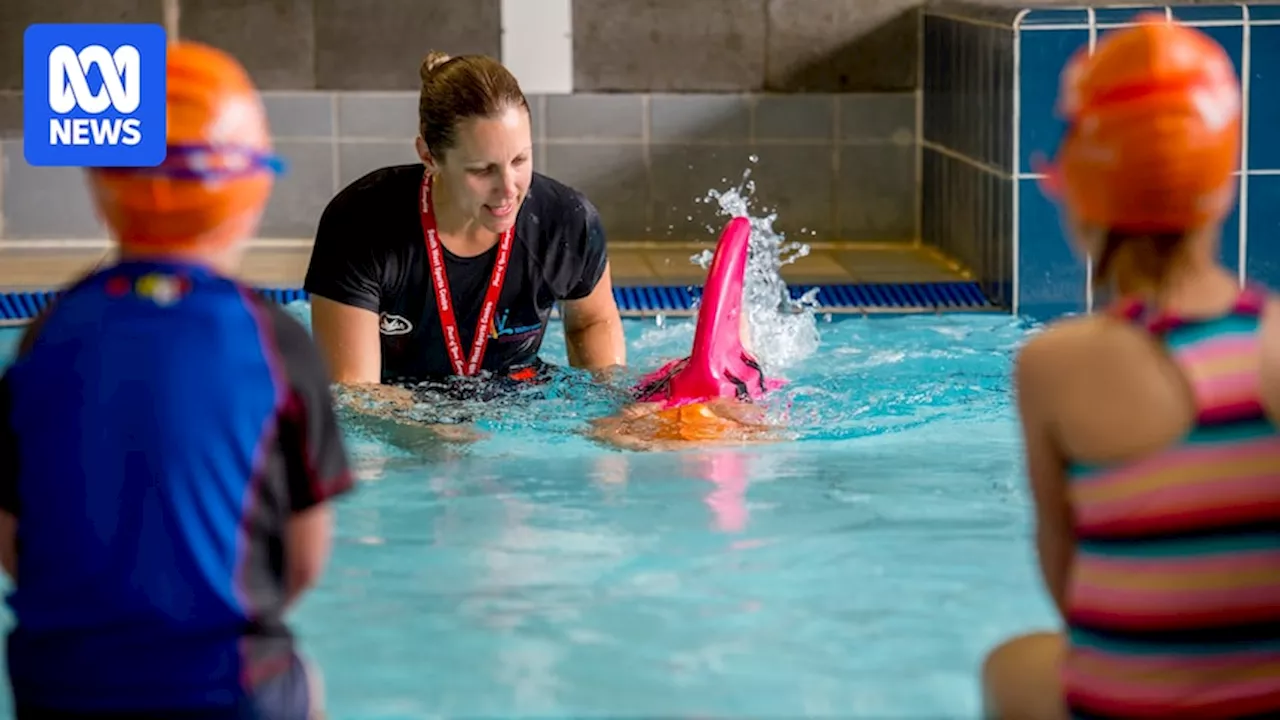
column 693, row 422
column 219, row 169
column 1154, row 130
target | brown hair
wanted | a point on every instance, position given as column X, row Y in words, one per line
column 455, row 89
column 1147, row 257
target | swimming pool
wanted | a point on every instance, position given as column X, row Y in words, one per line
column 859, row 571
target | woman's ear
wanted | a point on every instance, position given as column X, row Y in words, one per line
column 424, row 154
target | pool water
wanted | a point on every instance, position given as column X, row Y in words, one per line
column 860, row 570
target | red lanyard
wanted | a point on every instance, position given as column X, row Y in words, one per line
column 444, row 300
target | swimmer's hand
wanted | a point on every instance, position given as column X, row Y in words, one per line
column 457, row 433
column 395, row 404
column 373, row 399
column 609, row 374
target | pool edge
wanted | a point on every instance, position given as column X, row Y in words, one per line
column 643, row 301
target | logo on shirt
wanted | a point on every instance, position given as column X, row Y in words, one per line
column 499, row 331
column 95, row 95
column 160, row 288
column 389, row 324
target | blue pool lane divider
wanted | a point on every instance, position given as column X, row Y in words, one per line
column 649, row 300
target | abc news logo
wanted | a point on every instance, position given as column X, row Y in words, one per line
column 121, row 90
column 96, row 94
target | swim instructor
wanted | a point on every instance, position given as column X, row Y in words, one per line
column 452, row 267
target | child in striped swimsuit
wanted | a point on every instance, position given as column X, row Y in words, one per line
column 1151, row 440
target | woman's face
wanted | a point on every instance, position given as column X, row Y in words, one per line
column 489, row 168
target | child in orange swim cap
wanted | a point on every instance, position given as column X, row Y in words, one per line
column 168, row 446
column 1151, row 145
column 708, row 396
column 1150, row 428
column 208, row 196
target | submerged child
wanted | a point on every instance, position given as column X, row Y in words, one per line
column 710, row 397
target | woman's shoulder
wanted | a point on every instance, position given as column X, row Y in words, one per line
column 378, row 188
column 559, row 203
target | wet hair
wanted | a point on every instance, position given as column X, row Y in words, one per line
column 1151, row 256
column 458, row 88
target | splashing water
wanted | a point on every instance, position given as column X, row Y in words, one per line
column 783, row 331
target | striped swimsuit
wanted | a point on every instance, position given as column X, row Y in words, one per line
column 1174, row 600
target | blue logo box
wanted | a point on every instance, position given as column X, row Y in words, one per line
column 94, row 95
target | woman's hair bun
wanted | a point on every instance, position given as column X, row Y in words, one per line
column 433, row 60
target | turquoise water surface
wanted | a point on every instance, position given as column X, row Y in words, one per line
column 859, row 571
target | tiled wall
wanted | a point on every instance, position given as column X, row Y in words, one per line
column 991, row 78
column 643, row 104
column 966, row 145
column 831, row 166
column 613, row 45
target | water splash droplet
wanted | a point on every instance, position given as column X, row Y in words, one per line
column 784, row 331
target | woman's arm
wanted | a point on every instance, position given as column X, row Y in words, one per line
column 344, row 281
column 348, row 340
column 1046, row 468
column 593, row 328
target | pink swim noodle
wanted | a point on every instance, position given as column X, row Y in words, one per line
column 719, row 366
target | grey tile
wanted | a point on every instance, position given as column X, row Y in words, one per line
column 299, row 115
column 683, row 176
column 795, row 117
column 274, row 39
column 301, row 195
column 602, row 116
column 798, row 184
column 668, row 45
column 842, row 45
column 16, row 15
column 878, row 117
column 613, row 177
column 681, row 118
column 355, row 159
column 538, row 116
column 876, row 194
column 379, row 46
column 383, row 116
column 10, row 114
column 43, row 202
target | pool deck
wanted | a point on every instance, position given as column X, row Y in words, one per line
column 283, row 264
column 27, row 267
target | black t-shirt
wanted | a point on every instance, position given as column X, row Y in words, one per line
column 370, row 253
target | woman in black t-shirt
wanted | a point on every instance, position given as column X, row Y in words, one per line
column 452, row 267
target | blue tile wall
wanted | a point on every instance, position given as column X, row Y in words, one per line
column 971, row 181
column 1052, row 277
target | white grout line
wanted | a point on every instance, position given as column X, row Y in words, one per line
column 1016, row 25
column 1088, row 257
column 971, row 162
column 335, row 154
column 1246, row 63
column 1015, row 302
column 1113, row 26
